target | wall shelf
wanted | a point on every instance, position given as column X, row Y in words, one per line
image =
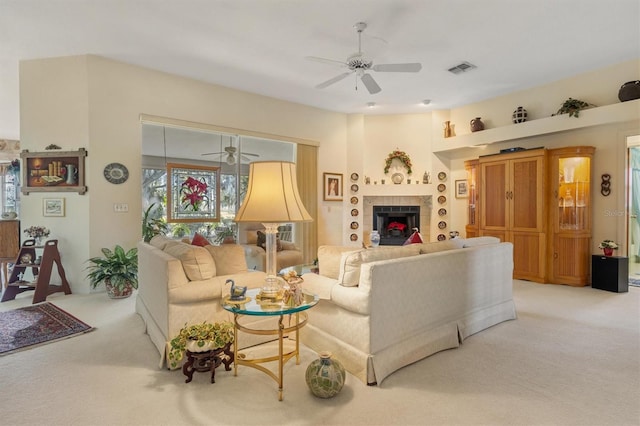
column 467, row 144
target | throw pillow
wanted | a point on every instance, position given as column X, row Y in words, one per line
column 262, row 241
column 199, row 240
column 196, row 261
column 229, row 259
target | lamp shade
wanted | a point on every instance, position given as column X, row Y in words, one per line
column 272, row 195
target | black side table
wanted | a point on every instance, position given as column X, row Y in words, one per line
column 610, row 273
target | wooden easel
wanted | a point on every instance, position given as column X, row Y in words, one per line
column 42, row 272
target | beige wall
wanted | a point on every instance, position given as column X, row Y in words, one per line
column 92, row 102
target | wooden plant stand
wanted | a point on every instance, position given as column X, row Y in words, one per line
column 42, row 272
column 207, row 361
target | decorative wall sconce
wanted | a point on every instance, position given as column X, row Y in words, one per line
column 605, row 186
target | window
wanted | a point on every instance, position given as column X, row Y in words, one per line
column 231, row 152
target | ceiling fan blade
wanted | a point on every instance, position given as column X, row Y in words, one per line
column 252, row 155
column 370, row 84
column 333, row 80
column 326, row 61
column 412, row 67
column 248, row 159
column 213, row 153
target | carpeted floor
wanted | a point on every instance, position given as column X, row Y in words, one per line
column 569, row 359
column 34, row 325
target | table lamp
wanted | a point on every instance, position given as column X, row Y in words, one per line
column 272, row 198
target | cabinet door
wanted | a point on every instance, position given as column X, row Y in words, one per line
column 493, row 196
column 526, row 194
column 472, row 227
column 9, row 239
column 529, row 255
column 570, row 264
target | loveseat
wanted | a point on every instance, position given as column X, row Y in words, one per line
column 384, row 308
column 180, row 283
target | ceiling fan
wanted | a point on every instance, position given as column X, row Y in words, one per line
column 230, row 152
column 358, row 63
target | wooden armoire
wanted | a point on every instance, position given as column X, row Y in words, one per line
column 539, row 200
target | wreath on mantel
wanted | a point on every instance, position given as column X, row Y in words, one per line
column 400, row 155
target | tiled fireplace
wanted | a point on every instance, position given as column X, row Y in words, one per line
column 408, row 210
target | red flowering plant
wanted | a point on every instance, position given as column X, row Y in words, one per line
column 194, row 194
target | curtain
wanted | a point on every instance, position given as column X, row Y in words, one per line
column 635, row 197
column 307, row 175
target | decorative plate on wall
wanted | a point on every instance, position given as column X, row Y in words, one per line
column 354, row 188
column 353, row 237
column 354, row 212
column 442, row 212
column 354, row 176
column 442, row 176
column 116, row 173
column 442, row 187
column 442, row 224
column 397, row 178
column 354, row 225
column 354, row 200
column 442, row 199
column 441, row 237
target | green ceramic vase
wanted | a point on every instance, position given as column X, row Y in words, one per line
column 325, row 376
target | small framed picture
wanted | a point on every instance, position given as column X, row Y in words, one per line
column 53, row 207
column 332, row 184
column 461, row 189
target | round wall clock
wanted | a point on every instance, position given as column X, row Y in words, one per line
column 116, row 173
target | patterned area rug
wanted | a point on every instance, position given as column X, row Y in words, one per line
column 34, row 325
column 634, row 281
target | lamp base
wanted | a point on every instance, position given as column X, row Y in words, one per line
column 271, row 289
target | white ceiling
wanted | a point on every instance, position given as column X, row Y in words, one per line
column 260, row 45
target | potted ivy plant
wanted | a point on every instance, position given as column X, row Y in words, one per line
column 225, row 235
column 118, row 269
column 573, row 107
column 200, row 337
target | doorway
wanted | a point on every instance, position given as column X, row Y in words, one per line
column 633, row 208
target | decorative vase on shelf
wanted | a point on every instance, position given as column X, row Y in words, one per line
column 519, row 115
column 629, row 91
column 608, row 251
column 375, row 238
column 325, row 376
column 476, row 124
column 448, row 129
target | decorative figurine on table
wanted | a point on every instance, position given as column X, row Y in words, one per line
column 236, row 293
column 293, row 289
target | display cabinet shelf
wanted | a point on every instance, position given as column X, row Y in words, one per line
column 467, row 144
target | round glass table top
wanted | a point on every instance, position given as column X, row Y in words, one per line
column 253, row 304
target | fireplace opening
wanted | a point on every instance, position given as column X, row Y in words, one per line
column 395, row 223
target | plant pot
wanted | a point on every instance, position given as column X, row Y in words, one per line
column 192, row 346
column 608, row 251
column 116, row 293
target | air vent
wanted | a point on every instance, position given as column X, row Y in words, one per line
column 463, row 67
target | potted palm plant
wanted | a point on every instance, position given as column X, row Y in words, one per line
column 200, row 337
column 152, row 226
column 118, row 269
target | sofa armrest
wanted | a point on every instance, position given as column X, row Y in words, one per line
column 318, row 284
column 288, row 245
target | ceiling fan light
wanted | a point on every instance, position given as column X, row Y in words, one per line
column 231, row 160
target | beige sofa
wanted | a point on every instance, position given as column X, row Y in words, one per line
column 382, row 309
column 180, row 283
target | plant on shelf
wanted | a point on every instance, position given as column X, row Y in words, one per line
column 152, row 227
column 400, row 155
column 199, row 338
column 608, row 246
column 225, row 235
column 573, row 107
column 118, row 269
column 37, row 232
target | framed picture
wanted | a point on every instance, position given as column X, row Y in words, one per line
column 193, row 193
column 53, row 171
column 332, row 184
column 461, row 189
column 53, row 207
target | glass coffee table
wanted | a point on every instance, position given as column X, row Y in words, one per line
column 304, row 268
column 253, row 305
